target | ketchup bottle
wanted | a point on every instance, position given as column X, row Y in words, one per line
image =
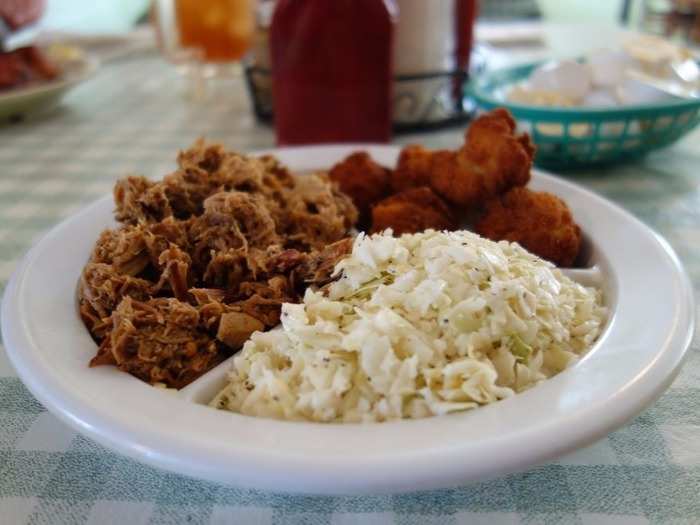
column 466, row 12
column 465, row 17
column 332, row 70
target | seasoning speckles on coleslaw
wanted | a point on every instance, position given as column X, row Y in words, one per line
column 415, row 326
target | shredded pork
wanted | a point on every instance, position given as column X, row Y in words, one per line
column 204, row 258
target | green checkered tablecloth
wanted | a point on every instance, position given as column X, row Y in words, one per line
column 132, row 118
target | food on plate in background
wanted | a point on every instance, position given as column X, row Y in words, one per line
column 482, row 181
column 419, row 325
column 205, row 257
column 23, row 63
column 656, row 54
column 25, row 66
column 540, row 222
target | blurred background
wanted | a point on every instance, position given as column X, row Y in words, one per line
column 672, row 16
column 369, row 70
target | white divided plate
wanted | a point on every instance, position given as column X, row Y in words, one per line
column 636, row 359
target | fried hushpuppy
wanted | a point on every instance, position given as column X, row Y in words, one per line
column 363, row 180
column 492, row 160
column 540, row 222
column 412, row 210
column 412, row 168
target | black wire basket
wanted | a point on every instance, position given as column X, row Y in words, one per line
column 420, row 102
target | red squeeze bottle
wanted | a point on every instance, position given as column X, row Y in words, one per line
column 465, row 16
column 332, row 70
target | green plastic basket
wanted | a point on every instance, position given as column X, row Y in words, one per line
column 575, row 137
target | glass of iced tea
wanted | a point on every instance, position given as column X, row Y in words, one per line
column 221, row 29
column 204, row 38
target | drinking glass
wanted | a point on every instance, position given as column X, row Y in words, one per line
column 204, row 38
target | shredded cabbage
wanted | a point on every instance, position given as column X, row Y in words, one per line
column 415, row 326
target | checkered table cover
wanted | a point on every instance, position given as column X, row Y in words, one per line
column 133, row 118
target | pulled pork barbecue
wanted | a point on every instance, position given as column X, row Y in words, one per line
column 204, row 258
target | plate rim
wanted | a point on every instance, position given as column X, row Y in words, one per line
column 637, row 396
